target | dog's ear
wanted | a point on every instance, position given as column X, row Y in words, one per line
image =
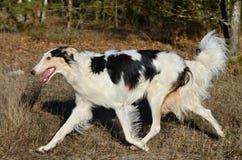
column 68, row 57
column 70, row 50
column 68, row 53
column 65, row 52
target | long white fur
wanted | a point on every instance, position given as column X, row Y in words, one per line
column 207, row 66
column 99, row 89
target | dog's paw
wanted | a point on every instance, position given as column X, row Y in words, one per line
column 221, row 134
column 134, row 148
column 146, row 148
column 41, row 150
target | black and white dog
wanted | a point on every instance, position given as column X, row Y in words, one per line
column 116, row 79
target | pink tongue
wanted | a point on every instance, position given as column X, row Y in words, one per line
column 47, row 75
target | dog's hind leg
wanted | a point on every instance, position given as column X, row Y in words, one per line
column 155, row 127
column 79, row 115
column 206, row 113
column 155, row 100
column 123, row 116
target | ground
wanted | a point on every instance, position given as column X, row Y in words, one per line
column 31, row 113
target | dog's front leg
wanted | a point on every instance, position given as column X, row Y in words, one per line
column 80, row 115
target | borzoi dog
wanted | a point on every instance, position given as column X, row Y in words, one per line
column 117, row 79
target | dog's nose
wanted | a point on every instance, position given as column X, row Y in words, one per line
column 33, row 72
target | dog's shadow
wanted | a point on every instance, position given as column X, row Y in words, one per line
column 101, row 116
column 107, row 117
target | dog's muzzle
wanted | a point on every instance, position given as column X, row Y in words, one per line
column 33, row 72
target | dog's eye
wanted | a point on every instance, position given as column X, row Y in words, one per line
column 48, row 58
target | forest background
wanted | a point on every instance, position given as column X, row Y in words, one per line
column 31, row 113
column 158, row 19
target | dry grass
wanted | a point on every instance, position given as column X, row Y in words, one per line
column 30, row 114
column 14, row 115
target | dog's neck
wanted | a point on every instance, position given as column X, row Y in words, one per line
column 69, row 74
column 79, row 71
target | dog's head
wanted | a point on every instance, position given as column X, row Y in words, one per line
column 57, row 60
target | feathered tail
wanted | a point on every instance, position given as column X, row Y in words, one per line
column 208, row 64
column 213, row 53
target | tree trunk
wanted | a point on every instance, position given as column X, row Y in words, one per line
column 116, row 14
column 45, row 3
column 235, row 27
column 225, row 23
column 69, row 15
column 42, row 12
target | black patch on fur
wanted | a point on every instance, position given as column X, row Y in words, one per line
column 151, row 53
column 198, row 51
column 147, row 56
column 60, row 52
column 183, row 78
column 118, row 65
column 98, row 64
